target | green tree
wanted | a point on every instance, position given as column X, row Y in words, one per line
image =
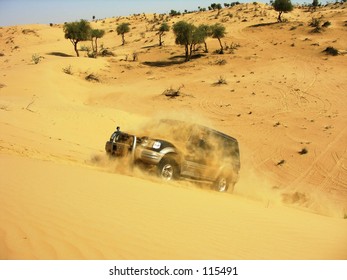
column 174, row 13
column 184, row 33
column 122, row 29
column 315, row 4
column 95, row 35
column 76, row 32
column 164, row 27
column 282, row 6
column 218, row 32
column 203, row 31
column 219, row 8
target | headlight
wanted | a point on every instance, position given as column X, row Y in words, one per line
column 156, row 145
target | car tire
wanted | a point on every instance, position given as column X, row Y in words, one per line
column 224, row 183
column 168, row 169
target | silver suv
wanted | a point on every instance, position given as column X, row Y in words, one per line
column 190, row 151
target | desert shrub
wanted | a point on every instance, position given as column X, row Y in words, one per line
column 106, row 52
column 326, row 24
column 233, row 46
column 92, row 78
column 172, row 93
column 221, row 62
column 67, row 70
column 135, row 56
column 315, row 22
column 29, row 31
column 303, row 151
column 35, row 58
column 92, row 54
column 332, row 51
column 85, row 49
column 220, row 81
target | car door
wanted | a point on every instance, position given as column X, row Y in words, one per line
column 124, row 144
column 197, row 162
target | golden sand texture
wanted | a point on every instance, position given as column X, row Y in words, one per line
column 282, row 97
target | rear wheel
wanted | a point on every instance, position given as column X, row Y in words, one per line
column 224, row 183
column 168, row 169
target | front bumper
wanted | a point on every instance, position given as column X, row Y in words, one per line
column 149, row 156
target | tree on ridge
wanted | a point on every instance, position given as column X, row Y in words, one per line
column 95, row 35
column 164, row 27
column 122, row 29
column 282, row 6
column 77, row 31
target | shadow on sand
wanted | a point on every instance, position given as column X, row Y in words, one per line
column 60, row 54
column 264, row 24
column 175, row 60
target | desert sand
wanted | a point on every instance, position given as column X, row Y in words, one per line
column 284, row 99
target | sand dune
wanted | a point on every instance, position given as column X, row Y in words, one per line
column 284, row 100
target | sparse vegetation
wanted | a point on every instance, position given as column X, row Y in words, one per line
column 220, row 81
column 106, row 52
column 316, row 24
column 172, row 93
column 135, row 56
column 326, row 24
column 35, row 58
column 68, row 70
column 232, row 47
column 331, row 51
column 84, row 49
column 92, row 78
column 303, row 151
column 221, row 62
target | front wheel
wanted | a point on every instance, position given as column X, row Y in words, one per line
column 168, row 169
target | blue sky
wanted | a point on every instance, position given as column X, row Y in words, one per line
column 13, row 12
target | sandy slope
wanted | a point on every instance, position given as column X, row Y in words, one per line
column 60, row 198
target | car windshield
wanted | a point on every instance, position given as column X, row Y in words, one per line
column 173, row 130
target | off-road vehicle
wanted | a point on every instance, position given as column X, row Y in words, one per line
column 189, row 151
